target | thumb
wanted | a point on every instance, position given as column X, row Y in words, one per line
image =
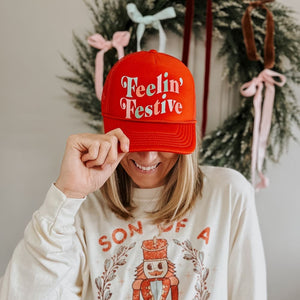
column 108, row 168
column 121, row 155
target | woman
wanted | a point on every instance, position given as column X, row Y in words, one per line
column 131, row 215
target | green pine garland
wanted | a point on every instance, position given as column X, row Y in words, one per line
column 230, row 144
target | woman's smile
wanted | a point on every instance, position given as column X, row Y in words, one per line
column 146, row 168
column 149, row 169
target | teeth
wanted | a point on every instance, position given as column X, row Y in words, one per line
column 146, row 168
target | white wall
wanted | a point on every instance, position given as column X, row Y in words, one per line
column 36, row 118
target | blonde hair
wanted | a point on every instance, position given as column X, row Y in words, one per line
column 183, row 185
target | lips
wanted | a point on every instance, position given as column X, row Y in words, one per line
column 145, row 168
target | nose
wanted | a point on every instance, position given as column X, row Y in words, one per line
column 148, row 156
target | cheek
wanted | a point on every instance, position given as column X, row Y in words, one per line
column 171, row 160
column 126, row 163
column 169, row 156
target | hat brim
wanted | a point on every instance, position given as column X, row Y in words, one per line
column 156, row 136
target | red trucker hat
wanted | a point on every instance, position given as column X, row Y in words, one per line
column 151, row 97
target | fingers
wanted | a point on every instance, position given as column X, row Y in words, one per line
column 107, row 153
column 122, row 138
column 103, row 149
column 91, row 153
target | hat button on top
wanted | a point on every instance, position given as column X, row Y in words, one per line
column 152, row 51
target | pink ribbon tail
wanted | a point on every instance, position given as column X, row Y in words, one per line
column 262, row 119
column 99, row 74
column 263, row 183
column 119, row 41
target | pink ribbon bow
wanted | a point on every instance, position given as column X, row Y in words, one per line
column 262, row 118
column 119, row 41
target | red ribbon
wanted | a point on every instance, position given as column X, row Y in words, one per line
column 209, row 27
column 188, row 23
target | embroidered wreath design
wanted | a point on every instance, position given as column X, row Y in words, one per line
column 111, row 266
column 230, row 144
column 196, row 257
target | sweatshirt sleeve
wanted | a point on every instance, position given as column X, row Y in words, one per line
column 247, row 271
column 49, row 262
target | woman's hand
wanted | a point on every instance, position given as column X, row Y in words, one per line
column 89, row 160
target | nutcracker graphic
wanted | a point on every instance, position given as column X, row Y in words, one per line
column 155, row 277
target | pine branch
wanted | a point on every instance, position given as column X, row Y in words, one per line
column 230, row 144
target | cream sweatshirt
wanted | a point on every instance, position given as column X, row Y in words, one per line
column 79, row 249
